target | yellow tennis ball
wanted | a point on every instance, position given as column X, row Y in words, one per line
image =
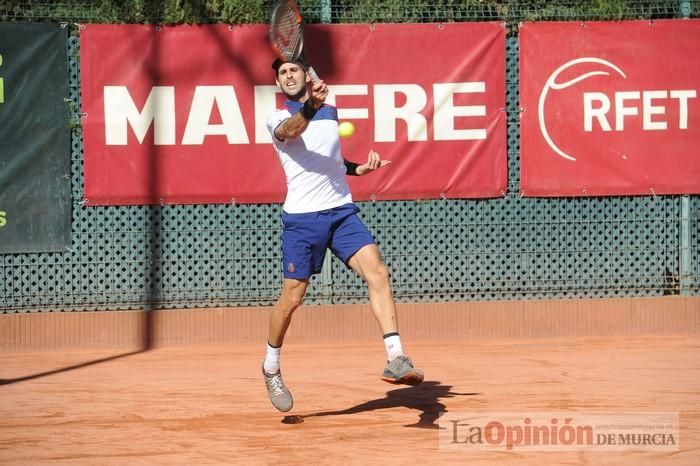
column 346, row 129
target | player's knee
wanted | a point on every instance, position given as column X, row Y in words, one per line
column 287, row 305
column 294, row 301
column 379, row 275
column 293, row 293
column 293, row 297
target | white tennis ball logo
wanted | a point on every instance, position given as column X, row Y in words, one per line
column 346, row 129
column 552, row 84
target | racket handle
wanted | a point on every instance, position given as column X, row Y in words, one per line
column 312, row 74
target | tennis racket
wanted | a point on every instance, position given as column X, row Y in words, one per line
column 287, row 34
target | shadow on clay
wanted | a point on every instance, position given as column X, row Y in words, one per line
column 425, row 398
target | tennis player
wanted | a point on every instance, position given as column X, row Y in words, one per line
column 318, row 214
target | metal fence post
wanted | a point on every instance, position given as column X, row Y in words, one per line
column 685, row 257
column 326, row 11
column 327, row 271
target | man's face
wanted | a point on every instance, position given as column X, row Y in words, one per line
column 291, row 78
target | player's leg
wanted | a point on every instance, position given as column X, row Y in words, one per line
column 367, row 262
column 293, row 291
column 303, row 248
column 291, row 298
column 354, row 245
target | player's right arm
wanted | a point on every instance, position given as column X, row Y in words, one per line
column 293, row 126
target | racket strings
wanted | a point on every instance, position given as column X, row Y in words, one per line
column 288, row 34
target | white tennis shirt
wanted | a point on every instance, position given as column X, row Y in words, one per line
column 312, row 163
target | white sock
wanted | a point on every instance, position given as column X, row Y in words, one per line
column 272, row 359
column 392, row 341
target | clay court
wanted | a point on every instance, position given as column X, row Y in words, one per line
column 205, row 403
column 540, row 220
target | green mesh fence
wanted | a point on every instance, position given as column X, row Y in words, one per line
column 438, row 250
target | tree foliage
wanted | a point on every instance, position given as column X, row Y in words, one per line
column 340, row 11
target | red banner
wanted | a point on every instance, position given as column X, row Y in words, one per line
column 176, row 115
column 610, row 108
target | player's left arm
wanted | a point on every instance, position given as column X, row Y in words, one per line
column 374, row 162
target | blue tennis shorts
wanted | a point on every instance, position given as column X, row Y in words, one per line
column 306, row 237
